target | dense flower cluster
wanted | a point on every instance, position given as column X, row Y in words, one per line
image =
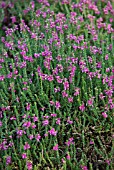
column 57, row 80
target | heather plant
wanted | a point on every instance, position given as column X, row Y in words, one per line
column 56, row 86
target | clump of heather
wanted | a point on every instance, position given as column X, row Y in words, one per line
column 57, row 86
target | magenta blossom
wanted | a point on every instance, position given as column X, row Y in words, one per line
column 30, row 137
column 29, row 165
column 55, row 148
column 45, row 122
column 0, row 123
column 77, row 91
column 104, row 114
column 90, row 101
column 70, row 99
column 53, row 114
column 26, row 146
column 66, row 85
column 28, row 106
column 24, row 155
column 64, row 94
column 13, row 19
column 38, row 137
column 58, row 121
column 27, row 124
column 35, row 119
column 91, row 142
column 8, row 160
column 68, row 156
column 107, row 161
column 57, row 105
column 52, row 132
column 69, row 142
column 84, row 167
column 82, row 107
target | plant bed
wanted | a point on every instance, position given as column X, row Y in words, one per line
column 56, row 85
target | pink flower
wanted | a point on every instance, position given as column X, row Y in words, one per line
column 8, row 160
column 91, row 142
column 59, row 80
column 25, row 82
column 58, row 121
column 107, row 69
column 35, row 119
column 45, row 122
column 20, row 133
column 36, row 55
column 0, row 123
column 32, row 4
column 68, row 156
column 52, row 132
column 29, row 165
column 84, row 167
column 24, row 155
column 57, row 105
column 52, row 103
column 64, row 94
column 3, row 4
column 30, row 137
column 28, row 106
column 66, row 85
column 38, row 137
column 53, row 114
column 111, row 19
column 70, row 99
column 63, row 160
column 107, row 161
column 59, row 58
column 2, row 77
column 45, row 134
column 50, row 78
column 55, row 148
column 26, row 146
column 109, row 92
column 43, row 108
column 77, row 91
column 56, row 89
column 27, row 124
column 104, row 115
column 69, row 121
column 101, row 96
column 90, row 101
column 13, row 19
column 69, row 142
column 82, row 107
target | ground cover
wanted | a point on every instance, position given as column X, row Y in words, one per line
column 57, row 85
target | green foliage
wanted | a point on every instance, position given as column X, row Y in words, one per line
column 92, row 133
